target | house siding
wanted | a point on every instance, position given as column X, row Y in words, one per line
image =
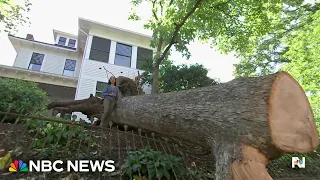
column 23, row 58
column 53, row 62
column 91, row 69
column 85, row 87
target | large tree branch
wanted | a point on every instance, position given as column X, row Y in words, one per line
column 153, row 10
column 176, row 32
column 170, row 2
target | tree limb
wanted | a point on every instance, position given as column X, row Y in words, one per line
column 153, row 11
column 176, row 31
column 170, row 2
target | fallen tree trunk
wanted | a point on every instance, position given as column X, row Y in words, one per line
column 245, row 122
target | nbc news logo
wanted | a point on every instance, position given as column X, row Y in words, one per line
column 18, row 166
column 76, row 166
column 298, row 162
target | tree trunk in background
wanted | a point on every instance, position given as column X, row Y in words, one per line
column 155, row 80
column 245, row 122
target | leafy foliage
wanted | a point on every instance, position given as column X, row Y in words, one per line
column 153, row 164
column 53, row 137
column 12, row 15
column 292, row 46
column 24, row 97
column 184, row 77
column 231, row 25
column 179, row 77
column 268, row 53
column 305, row 60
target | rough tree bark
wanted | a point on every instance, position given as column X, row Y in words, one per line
column 245, row 122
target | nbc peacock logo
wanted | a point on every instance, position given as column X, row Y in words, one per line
column 18, row 166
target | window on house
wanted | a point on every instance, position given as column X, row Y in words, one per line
column 62, row 41
column 69, row 67
column 143, row 56
column 36, row 61
column 99, row 88
column 100, row 49
column 72, row 43
column 123, row 55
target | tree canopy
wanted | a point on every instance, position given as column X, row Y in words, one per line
column 231, row 25
column 182, row 77
column 304, row 65
column 292, row 46
column 12, row 15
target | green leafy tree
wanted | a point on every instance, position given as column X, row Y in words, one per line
column 292, row 46
column 184, row 77
column 268, row 54
column 12, row 14
column 24, row 97
column 304, row 65
column 231, row 25
column 178, row 77
column 147, row 75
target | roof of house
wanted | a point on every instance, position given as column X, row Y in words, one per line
column 83, row 21
column 55, row 32
column 44, row 43
column 83, row 31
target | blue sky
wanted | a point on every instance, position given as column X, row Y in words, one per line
column 62, row 15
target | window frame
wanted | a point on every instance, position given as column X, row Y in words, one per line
column 30, row 63
column 121, row 55
column 64, row 42
column 98, row 91
column 64, row 67
column 99, row 49
column 143, row 59
column 74, row 45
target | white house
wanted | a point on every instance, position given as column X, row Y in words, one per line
column 72, row 67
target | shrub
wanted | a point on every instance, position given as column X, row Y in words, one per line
column 23, row 96
column 149, row 163
column 53, row 136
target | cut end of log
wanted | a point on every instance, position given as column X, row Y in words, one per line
column 252, row 166
column 291, row 120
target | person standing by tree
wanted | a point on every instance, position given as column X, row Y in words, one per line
column 111, row 95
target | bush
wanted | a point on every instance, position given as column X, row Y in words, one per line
column 25, row 97
column 65, row 139
column 149, row 163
